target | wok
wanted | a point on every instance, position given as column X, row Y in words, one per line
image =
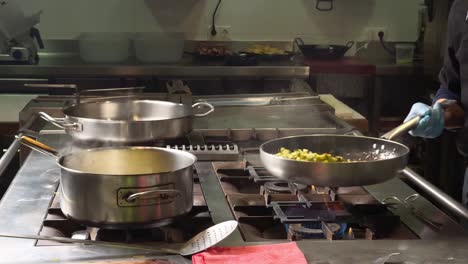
column 374, row 160
column 323, row 52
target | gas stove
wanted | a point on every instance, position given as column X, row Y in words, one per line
column 268, row 208
column 330, row 225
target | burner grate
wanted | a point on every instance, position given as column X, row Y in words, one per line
column 268, row 208
column 178, row 230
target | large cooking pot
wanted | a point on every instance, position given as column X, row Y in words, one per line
column 127, row 121
column 123, row 187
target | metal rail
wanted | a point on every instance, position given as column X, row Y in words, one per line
column 438, row 195
column 10, row 153
column 63, row 70
column 444, row 199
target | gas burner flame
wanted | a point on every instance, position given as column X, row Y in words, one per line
column 350, row 234
column 314, row 190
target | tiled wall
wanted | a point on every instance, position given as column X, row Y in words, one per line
column 249, row 19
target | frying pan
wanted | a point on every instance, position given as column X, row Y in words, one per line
column 323, row 52
column 374, row 160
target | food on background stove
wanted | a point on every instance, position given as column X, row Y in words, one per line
column 214, row 51
column 307, row 155
column 266, row 49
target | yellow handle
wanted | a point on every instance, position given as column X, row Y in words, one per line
column 38, row 146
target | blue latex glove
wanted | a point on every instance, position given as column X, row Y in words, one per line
column 432, row 123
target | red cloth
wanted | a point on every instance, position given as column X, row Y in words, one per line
column 286, row 253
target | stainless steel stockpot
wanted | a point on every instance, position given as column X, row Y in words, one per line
column 123, row 187
column 127, row 121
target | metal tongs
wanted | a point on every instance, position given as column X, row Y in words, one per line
column 408, row 203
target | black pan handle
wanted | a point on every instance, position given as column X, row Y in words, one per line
column 35, row 33
column 349, row 44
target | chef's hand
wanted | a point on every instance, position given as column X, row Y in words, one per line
column 432, row 123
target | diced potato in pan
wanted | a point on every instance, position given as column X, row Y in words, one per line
column 307, row 155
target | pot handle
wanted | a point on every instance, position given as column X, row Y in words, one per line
column 210, row 106
column 60, row 122
column 38, row 146
column 153, row 194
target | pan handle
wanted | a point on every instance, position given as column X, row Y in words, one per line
column 210, row 106
column 171, row 193
column 38, row 146
column 402, row 129
column 60, row 122
column 110, row 93
column 131, row 91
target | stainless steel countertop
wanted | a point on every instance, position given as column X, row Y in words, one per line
column 25, row 204
column 61, row 58
column 73, row 66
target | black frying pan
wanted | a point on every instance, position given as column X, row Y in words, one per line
column 323, row 52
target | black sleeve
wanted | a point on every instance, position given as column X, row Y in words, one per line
column 450, row 73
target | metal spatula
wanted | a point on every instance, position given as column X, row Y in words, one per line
column 198, row 243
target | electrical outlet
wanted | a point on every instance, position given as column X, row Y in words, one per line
column 223, row 33
column 372, row 33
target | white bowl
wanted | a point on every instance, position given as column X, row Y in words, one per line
column 161, row 47
column 104, row 47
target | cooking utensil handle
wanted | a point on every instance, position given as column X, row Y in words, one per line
column 152, row 194
column 210, row 106
column 402, row 129
column 60, row 123
column 107, row 94
column 38, row 146
column 130, row 90
column 92, row 242
column 47, row 85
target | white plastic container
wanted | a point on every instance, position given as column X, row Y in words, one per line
column 154, row 47
column 404, row 53
column 104, row 47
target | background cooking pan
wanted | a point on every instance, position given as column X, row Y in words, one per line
column 323, row 52
column 127, row 121
column 374, row 160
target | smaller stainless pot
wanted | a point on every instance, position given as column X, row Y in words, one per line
column 127, row 121
column 123, row 187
